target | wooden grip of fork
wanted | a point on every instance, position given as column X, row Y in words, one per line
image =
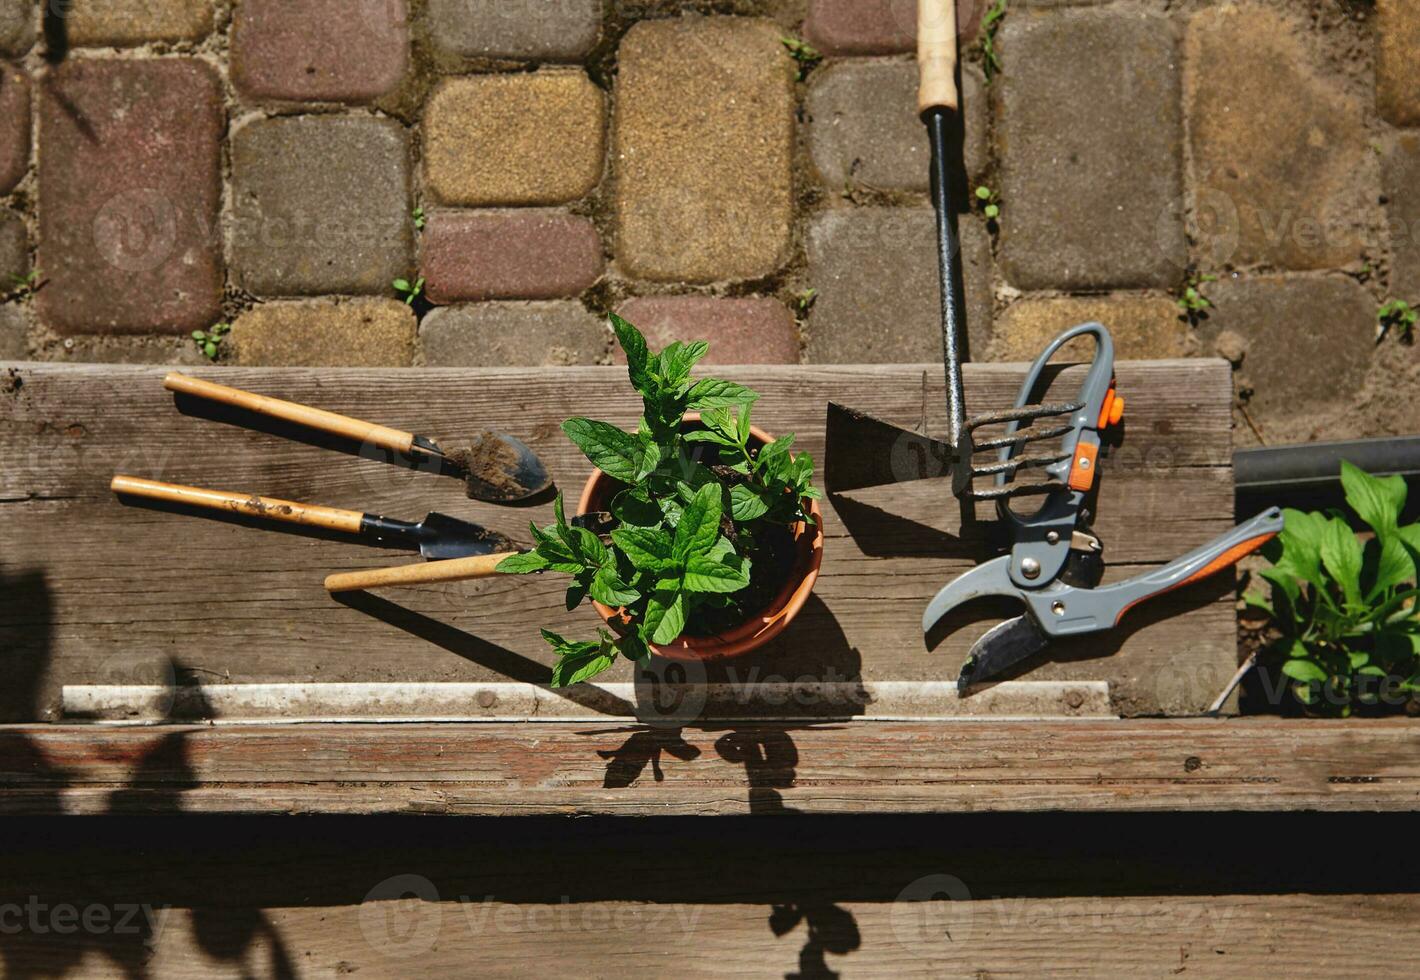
column 248, row 504
column 454, row 570
column 312, row 418
column 937, row 55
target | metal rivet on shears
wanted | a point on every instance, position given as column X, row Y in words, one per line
column 1053, row 537
column 1030, row 568
column 1084, row 462
column 1057, row 607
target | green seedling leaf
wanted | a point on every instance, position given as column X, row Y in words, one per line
column 1341, row 556
column 1304, row 671
column 1376, row 501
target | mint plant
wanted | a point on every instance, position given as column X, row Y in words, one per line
column 695, row 524
column 1344, row 610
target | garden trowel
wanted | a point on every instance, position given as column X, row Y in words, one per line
column 438, row 537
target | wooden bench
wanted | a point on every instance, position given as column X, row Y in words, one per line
column 118, row 613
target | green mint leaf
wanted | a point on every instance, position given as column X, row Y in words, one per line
column 589, row 547
column 703, row 574
column 638, row 356
column 578, row 662
column 608, row 588
column 699, row 524
column 665, row 616
column 1376, row 501
column 747, row 503
column 1341, row 556
column 1303, row 670
column 523, row 564
column 713, row 393
column 707, row 435
column 633, row 507
column 577, row 591
column 648, row 549
column 617, row 454
column 633, row 646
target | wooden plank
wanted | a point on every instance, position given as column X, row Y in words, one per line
column 1091, row 895
column 95, row 592
column 850, row 767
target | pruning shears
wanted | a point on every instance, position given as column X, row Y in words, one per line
column 1056, row 562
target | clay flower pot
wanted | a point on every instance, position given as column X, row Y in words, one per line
column 761, row 628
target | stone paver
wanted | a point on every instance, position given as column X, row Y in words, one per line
column 537, row 254
column 1401, row 170
column 14, row 333
column 322, row 333
column 1397, row 48
column 17, row 26
column 514, row 139
column 94, row 349
column 560, row 333
column 1143, row 326
column 14, row 250
column 14, row 126
column 864, row 127
column 319, row 50
column 1279, row 149
column 1306, row 343
column 321, row 205
column 838, row 27
column 704, row 144
column 1091, row 176
column 129, row 191
column 545, row 30
column 878, row 302
column 756, row 330
column 125, row 23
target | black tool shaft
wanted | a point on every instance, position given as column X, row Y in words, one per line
column 939, row 127
column 391, row 531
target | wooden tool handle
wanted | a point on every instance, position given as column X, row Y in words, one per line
column 314, row 418
column 241, row 503
column 937, row 55
column 455, row 570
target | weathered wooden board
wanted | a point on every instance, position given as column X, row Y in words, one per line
column 850, row 767
column 1048, row 895
column 96, row 592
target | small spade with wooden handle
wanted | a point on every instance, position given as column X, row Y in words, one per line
column 438, row 537
column 494, row 466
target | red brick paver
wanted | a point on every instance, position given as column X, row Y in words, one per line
column 129, row 187
column 739, row 331
column 319, row 50
column 509, row 255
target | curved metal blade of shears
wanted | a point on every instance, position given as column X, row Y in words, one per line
column 992, row 578
column 1001, row 647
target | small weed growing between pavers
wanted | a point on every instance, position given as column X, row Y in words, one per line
column 1193, row 303
column 419, row 219
column 1343, row 610
column 804, row 53
column 805, row 301
column 408, row 291
column 990, row 203
column 1397, row 315
column 209, row 342
column 26, row 285
column 990, row 24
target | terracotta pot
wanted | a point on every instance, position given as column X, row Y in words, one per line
column 763, row 627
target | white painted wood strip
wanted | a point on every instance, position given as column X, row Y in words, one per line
column 514, row 702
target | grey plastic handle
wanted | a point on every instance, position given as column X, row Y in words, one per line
column 1064, row 611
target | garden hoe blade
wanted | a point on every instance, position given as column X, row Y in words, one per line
column 863, row 451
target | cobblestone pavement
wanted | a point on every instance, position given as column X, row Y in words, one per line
column 531, row 164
